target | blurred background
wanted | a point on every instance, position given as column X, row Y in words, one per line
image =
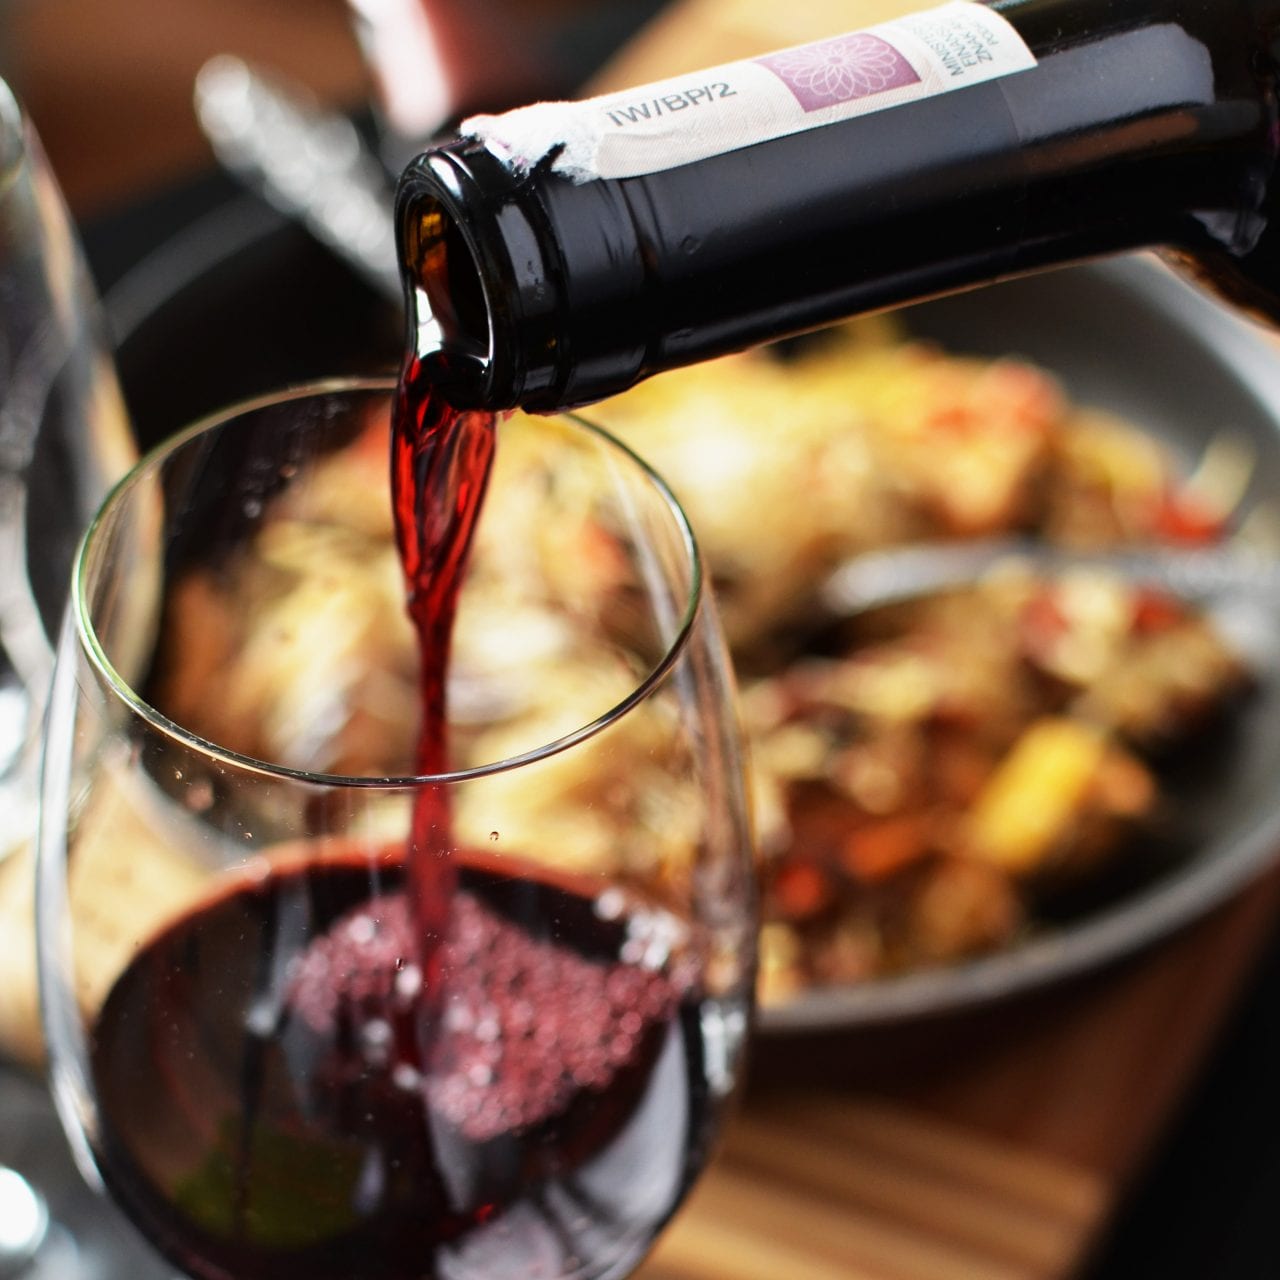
column 109, row 83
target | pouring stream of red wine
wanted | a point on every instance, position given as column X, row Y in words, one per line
column 440, row 463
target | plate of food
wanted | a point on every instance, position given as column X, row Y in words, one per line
column 996, row 574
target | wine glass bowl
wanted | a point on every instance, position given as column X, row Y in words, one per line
column 286, row 1037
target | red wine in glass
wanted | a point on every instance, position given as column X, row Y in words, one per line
column 552, row 1127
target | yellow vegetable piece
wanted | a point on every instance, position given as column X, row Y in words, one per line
column 1031, row 801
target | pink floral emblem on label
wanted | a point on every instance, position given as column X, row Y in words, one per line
column 829, row 72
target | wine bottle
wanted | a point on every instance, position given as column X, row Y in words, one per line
column 559, row 253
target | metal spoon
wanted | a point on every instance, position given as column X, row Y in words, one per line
column 900, row 573
column 309, row 163
column 24, row 1221
column 1238, row 588
column 32, row 1247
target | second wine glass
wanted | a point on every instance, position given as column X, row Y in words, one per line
column 286, row 1045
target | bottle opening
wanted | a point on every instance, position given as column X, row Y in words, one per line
column 449, row 285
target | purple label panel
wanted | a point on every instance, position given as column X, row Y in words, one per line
column 829, row 72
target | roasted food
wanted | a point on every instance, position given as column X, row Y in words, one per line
column 921, row 791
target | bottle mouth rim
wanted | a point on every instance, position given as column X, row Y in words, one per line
column 493, row 327
column 449, row 307
column 81, row 634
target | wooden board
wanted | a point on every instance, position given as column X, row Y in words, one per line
column 993, row 1148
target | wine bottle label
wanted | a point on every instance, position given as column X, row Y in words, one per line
column 688, row 118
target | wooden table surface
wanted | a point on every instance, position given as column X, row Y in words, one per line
column 989, row 1149
column 992, row 1147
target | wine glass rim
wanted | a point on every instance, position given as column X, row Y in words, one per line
column 91, row 646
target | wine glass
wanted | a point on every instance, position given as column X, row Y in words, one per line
column 291, row 1041
column 63, row 437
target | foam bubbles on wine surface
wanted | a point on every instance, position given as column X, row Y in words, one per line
column 528, row 1022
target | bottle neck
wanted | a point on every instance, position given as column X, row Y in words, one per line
column 1141, row 122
